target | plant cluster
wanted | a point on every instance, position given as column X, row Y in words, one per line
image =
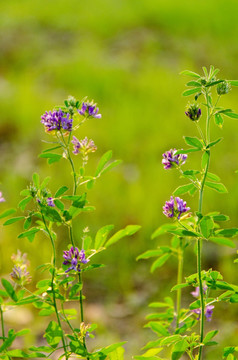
column 175, row 326
column 46, row 212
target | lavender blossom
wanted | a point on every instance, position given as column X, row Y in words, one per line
column 208, row 312
column 171, row 160
column 90, row 110
column 19, row 272
column 1, row 198
column 50, row 202
column 175, row 207
column 196, row 292
column 193, row 112
column 84, row 146
column 73, row 258
column 56, row 120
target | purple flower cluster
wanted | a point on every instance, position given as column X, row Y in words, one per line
column 208, row 312
column 57, row 120
column 89, row 109
column 83, row 146
column 19, row 272
column 170, row 160
column 1, row 198
column 74, row 258
column 193, row 112
column 196, row 292
column 50, row 202
column 175, row 207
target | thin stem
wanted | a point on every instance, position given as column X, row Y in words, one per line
column 2, row 323
column 179, row 280
column 81, row 310
column 52, row 285
column 66, row 146
column 71, row 235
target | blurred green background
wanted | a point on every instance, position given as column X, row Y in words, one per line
column 126, row 55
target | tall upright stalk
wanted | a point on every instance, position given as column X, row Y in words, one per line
column 179, row 280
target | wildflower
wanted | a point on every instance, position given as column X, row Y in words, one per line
column 84, row 146
column 175, row 207
column 50, row 202
column 171, row 160
column 56, row 120
column 1, row 198
column 193, row 112
column 196, row 292
column 19, row 272
column 223, row 88
column 89, row 109
column 208, row 312
column 74, row 258
column 83, row 331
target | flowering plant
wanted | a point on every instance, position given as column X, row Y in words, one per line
column 48, row 212
column 176, row 327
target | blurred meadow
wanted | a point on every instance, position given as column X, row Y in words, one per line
column 126, row 55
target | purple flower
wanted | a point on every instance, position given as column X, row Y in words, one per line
column 73, row 258
column 196, row 292
column 56, row 120
column 170, row 160
column 90, row 110
column 208, row 312
column 1, row 198
column 50, row 202
column 193, row 112
column 19, row 271
column 175, row 207
column 84, row 146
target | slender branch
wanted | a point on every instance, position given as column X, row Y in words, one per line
column 81, row 310
column 52, row 284
column 179, row 280
column 2, row 323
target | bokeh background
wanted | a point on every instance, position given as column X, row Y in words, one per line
column 126, row 55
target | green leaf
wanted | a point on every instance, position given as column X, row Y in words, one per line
column 22, row 204
column 158, row 328
column 191, row 91
column 217, row 187
column 13, row 220
column 7, row 213
column 193, row 83
column 53, row 334
column 229, row 349
column 209, row 336
column 190, row 73
column 53, row 148
column 9, row 289
column 163, row 229
column 159, row 262
column 150, row 253
column 183, row 232
column 30, row 234
column 170, row 340
column 231, row 115
column 179, row 349
column 104, row 159
column 234, row 298
column 186, row 151
column 111, row 166
column 159, row 305
column 107, row 350
column 233, row 82
column 218, row 120
column 183, row 189
column 179, row 286
column 191, row 172
column 223, row 241
column 45, row 182
column 227, row 232
column 213, row 143
column 61, row 191
column 129, row 230
column 59, row 204
column 206, row 226
column 195, row 305
column 194, row 142
column 101, row 236
column 213, row 177
column 51, row 157
column 51, row 214
column 36, row 180
column 220, row 217
column 205, row 159
column 117, row 354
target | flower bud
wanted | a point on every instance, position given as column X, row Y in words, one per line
column 193, row 112
column 223, row 88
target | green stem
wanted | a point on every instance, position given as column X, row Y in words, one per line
column 52, row 285
column 2, row 323
column 81, row 310
column 179, row 280
column 66, row 146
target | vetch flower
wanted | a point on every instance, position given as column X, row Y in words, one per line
column 171, row 160
column 1, row 198
column 56, row 120
column 193, row 112
column 50, row 202
column 19, row 272
column 208, row 312
column 89, row 109
column 84, row 146
column 196, row 292
column 74, row 258
column 175, row 207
